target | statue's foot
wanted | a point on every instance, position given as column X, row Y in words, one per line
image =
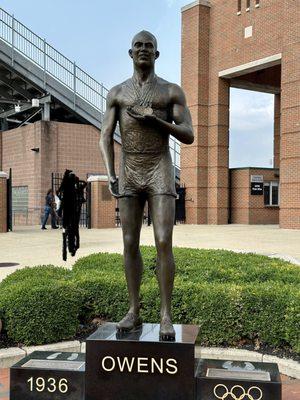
column 129, row 322
column 166, row 331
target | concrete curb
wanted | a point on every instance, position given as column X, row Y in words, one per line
column 8, row 357
column 288, row 367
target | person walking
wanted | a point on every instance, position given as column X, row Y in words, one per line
column 49, row 210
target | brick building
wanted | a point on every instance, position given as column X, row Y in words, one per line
column 248, row 44
column 58, row 145
column 50, row 120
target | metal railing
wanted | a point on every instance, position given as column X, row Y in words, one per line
column 55, row 64
column 51, row 61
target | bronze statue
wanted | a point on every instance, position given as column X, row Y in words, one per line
column 149, row 110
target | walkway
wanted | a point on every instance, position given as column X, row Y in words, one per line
column 30, row 246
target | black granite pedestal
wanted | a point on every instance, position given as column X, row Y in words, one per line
column 138, row 365
column 237, row 380
column 48, row 375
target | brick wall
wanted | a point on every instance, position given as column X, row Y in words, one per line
column 103, row 205
column 247, row 208
column 290, row 118
column 61, row 146
column 240, row 196
column 195, row 81
column 26, row 167
column 213, row 40
column 3, row 203
column 276, row 149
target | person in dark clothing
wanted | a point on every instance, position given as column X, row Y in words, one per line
column 49, row 210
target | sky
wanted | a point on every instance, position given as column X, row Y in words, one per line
column 97, row 35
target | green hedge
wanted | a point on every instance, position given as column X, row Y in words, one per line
column 40, row 305
column 232, row 296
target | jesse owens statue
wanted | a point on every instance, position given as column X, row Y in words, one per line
column 149, row 110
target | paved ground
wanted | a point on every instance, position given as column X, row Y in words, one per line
column 290, row 387
column 31, row 246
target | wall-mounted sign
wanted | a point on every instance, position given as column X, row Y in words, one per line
column 257, row 184
column 257, row 188
column 257, row 178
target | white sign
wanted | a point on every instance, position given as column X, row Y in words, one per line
column 257, row 178
column 248, row 32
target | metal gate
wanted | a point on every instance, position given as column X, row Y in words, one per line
column 9, row 202
column 180, row 205
column 85, row 216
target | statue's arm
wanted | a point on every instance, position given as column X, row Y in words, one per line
column 182, row 128
column 107, row 134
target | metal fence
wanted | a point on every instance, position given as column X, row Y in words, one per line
column 51, row 61
column 55, row 64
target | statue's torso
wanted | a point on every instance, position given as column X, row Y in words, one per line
column 146, row 164
column 137, row 136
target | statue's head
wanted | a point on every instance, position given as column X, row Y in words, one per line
column 144, row 49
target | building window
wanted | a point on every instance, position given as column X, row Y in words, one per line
column 271, row 193
column 247, row 5
column 239, row 7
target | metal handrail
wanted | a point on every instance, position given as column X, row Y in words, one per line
column 51, row 61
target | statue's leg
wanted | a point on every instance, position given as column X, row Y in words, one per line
column 162, row 208
column 131, row 214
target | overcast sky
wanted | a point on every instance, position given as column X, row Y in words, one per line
column 97, row 34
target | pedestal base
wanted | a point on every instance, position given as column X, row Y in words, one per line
column 219, row 379
column 138, row 365
column 48, row 375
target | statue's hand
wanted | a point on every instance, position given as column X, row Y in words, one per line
column 114, row 187
column 134, row 114
column 150, row 119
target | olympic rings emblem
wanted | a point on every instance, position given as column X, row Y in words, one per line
column 237, row 393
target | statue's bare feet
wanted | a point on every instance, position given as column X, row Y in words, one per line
column 166, row 331
column 129, row 322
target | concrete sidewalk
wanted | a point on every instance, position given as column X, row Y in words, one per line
column 29, row 246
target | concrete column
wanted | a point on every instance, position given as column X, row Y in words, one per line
column 289, row 216
column 103, row 205
column 195, row 82
column 3, row 202
column 46, row 112
column 276, row 147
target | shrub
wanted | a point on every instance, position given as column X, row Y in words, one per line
column 230, row 296
column 292, row 321
column 36, row 275
column 264, row 310
column 40, row 308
